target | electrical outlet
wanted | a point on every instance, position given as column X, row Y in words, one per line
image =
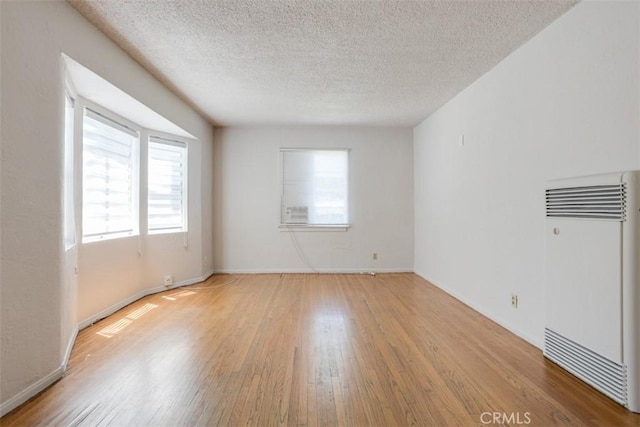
column 514, row 300
column 168, row 280
column 375, row 255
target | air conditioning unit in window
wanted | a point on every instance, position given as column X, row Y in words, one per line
column 296, row 215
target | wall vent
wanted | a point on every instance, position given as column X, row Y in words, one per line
column 598, row 371
column 606, row 202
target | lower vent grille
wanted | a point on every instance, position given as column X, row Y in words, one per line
column 598, row 371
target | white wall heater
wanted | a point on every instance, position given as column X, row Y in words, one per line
column 592, row 282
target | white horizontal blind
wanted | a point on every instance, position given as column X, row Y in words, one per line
column 167, row 192
column 109, row 205
column 314, row 186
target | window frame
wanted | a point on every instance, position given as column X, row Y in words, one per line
column 306, row 226
column 70, row 235
column 118, row 120
column 175, row 141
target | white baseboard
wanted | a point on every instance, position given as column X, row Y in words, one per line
column 207, row 275
column 110, row 310
column 115, row 307
column 67, row 353
column 318, row 270
column 43, row 383
column 26, row 394
column 531, row 340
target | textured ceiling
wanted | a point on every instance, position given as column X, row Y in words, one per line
column 369, row 62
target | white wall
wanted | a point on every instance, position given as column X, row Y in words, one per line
column 247, row 201
column 206, row 200
column 564, row 104
column 38, row 316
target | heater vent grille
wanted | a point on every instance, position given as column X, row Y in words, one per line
column 603, row 374
column 594, row 202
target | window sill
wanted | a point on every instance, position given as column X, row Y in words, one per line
column 105, row 237
column 166, row 231
column 312, row 227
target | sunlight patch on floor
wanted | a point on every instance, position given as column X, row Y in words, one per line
column 117, row 327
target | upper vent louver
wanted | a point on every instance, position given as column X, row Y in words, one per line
column 594, row 202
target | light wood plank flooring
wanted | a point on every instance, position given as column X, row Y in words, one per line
column 313, row 350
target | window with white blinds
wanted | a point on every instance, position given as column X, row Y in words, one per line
column 315, row 190
column 167, row 186
column 110, row 178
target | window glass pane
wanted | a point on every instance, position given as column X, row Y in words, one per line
column 167, row 185
column 109, row 205
column 315, row 187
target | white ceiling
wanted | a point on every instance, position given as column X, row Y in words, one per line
column 366, row 62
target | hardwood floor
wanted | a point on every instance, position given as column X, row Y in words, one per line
column 351, row 350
